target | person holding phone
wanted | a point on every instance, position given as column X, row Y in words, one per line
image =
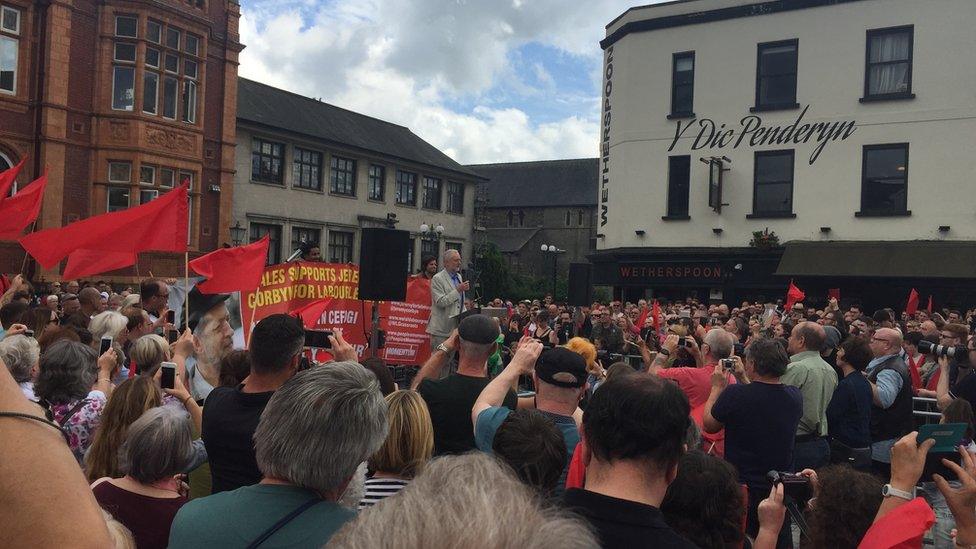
column 74, row 383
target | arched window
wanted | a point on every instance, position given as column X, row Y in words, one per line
column 567, row 217
column 521, row 216
column 580, row 222
column 6, row 164
column 511, row 218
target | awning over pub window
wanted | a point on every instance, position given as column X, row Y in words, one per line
column 903, row 259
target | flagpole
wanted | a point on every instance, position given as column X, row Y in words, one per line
column 254, row 310
column 186, row 288
column 23, row 265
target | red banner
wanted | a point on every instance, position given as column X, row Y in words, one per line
column 405, row 323
column 286, row 288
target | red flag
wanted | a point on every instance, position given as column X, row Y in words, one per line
column 232, row 269
column 160, row 225
column 793, row 295
column 7, row 178
column 643, row 318
column 656, row 311
column 20, row 210
column 912, row 305
column 311, row 313
column 930, row 305
column 83, row 262
column 833, row 293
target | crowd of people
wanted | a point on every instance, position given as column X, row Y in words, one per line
column 675, row 424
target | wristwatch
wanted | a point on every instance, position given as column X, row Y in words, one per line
column 889, row 490
column 444, row 348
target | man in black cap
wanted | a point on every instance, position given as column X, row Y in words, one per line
column 212, row 340
column 560, row 382
column 450, row 399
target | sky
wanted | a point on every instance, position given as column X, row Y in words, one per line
column 482, row 80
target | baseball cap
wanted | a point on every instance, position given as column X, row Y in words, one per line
column 832, row 338
column 561, row 367
column 478, row 328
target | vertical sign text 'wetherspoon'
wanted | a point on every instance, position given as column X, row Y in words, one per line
column 605, row 139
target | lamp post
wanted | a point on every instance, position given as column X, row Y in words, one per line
column 237, row 233
column 552, row 249
column 432, row 233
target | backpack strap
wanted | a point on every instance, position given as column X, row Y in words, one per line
column 282, row 522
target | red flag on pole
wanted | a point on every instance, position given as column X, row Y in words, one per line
column 82, row 262
column 311, row 313
column 160, row 225
column 833, row 293
column 7, row 178
column 930, row 305
column 643, row 318
column 793, row 295
column 912, row 305
column 656, row 313
column 20, row 210
column 232, row 269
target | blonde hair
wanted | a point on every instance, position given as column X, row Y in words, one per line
column 121, row 536
column 130, row 301
column 131, row 399
column 583, row 347
column 410, row 443
column 148, row 352
column 108, row 323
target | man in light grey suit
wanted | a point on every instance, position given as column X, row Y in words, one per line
column 447, row 299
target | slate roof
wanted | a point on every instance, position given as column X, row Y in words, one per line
column 265, row 105
column 510, row 240
column 547, row 183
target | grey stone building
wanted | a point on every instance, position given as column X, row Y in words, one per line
column 308, row 170
column 527, row 204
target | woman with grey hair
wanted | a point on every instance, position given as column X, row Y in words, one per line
column 21, row 354
column 156, row 451
column 479, row 504
column 73, row 383
column 111, row 324
column 314, row 433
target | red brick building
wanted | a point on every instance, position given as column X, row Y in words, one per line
column 121, row 101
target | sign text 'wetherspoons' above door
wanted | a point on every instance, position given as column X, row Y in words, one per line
column 752, row 132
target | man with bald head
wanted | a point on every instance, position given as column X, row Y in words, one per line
column 91, row 301
column 891, row 387
column 816, row 380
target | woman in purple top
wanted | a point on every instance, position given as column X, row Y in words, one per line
column 158, row 447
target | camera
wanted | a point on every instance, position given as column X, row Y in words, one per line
column 929, row 348
column 728, row 364
column 684, row 342
column 795, row 486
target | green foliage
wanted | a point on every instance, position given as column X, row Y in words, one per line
column 497, row 280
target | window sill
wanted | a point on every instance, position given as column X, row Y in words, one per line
column 307, row 190
column 904, row 213
column 782, row 107
column 887, row 97
column 268, row 184
column 376, row 200
column 675, row 218
column 771, row 215
column 426, row 209
column 339, row 195
column 405, row 205
column 680, row 115
column 461, row 214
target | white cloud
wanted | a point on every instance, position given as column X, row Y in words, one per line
column 406, row 61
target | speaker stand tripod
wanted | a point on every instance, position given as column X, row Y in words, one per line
column 374, row 334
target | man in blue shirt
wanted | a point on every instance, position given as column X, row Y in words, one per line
column 560, row 382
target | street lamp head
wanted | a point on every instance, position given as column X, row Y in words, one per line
column 552, row 248
column 545, row 247
column 439, row 228
column 424, row 227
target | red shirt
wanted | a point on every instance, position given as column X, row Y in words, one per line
column 697, row 385
column 902, row 528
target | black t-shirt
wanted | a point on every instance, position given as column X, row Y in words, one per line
column 230, row 418
column 622, row 523
column 965, row 389
column 450, row 401
column 760, row 422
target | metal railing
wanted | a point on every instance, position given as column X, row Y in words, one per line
column 925, row 410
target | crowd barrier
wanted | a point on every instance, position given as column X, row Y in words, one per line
column 925, row 410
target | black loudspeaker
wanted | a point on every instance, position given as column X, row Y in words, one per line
column 383, row 266
column 580, row 285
